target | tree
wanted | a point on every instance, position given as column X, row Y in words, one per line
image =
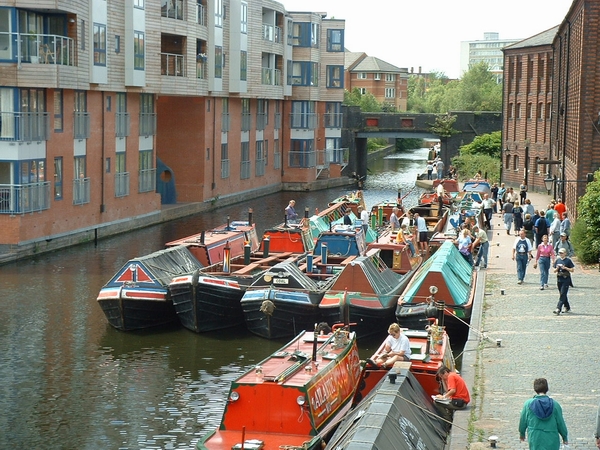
column 485, row 144
column 367, row 102
column 586, row 230
column 443, row 126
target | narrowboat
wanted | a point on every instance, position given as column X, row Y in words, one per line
column 451, row 190
column 294, row 398
column 454, row 279
column 137, row 296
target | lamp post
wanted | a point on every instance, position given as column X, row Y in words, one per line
column 548, row 182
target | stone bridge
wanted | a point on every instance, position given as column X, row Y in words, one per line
column 359, row 126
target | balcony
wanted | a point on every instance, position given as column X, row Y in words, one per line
column 121, row 184
column 271, row 77
column 147, row 180
column 333, row 120
column 172, row 65
column 303, row 121
column 245, row 167
column 271, row 33
column 225, row 122
column 39, row 48
column 225, row 168
column 302, row 159
column 276, row 160
column 246, row 121
column 24, row 126
column 122, row 124
column 260, row 167
column 81, row 125
column 24, row 198
column 261, row 121
column 147, row 124
column 202, row 69
column 277, row 124
column 81, row 191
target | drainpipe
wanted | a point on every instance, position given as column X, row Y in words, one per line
column 564, row 137
column 214, row 142
column 102, row 171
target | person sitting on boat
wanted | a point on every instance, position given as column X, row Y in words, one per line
column 290, row 212
column 403, row 237
column 455, row 389
column 396, row 347
column 347, row 218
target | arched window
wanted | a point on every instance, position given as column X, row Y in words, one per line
column 507, row 162
column 537, row 164
column 516, row 163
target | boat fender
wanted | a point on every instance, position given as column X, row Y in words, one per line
column 267, row 307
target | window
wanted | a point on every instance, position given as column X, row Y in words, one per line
column 390, row 93
column 302, row 153
column 243, row 65
column 117, row 44
column 390, row 77
column 147, row 116
column 122, row 123
column 314, row 35
column 99, row 44
column 225, row 167
column 540, row 111
column 246, row 118
column 58, row 111
column 335, row 76
column 377, row 76
column 147, row 172
column 362, row 91
column 245, row 161
column 58, row 178
column 518, row 111
column 81, row 127
column 218, row 61
column 335, row 40
column 361, row 76
column 172, row 9
column 305, row 73
column 138, row 4
column 219, row 13
column 260, row 159
column 244, row 18
column 530, row 110
column 303, row 115
column 276, row 155
column 333, row 115
column 138, row 50
column 262, row 114
column 516, row 163
column 301, row 34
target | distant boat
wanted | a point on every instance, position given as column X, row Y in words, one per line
column 294, row 398
column 454, row 279
column 137, row 297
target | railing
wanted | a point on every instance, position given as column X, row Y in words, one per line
column 302, row 159
column 172, row 9
column 172, row 65
column 245, row 167
column 121, row 184
column 81, row 191
column 24, row 198
column 303, row 120
column 261, row 121
column 39, row 48
column 333, row 120
column 271, row 33
column 339, row 156
column 225, row 168
column 271, row 77
column 202, row 69
column 122, row 124
column 147, row 180
column 81, row 125
column 260, row 167
column 147, row 124
column 225, row 122
column 246, row 121
column 200, row 14
column 24, row 126
column 277, row 160
column 277, row 124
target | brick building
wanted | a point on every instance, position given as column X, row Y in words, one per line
column 109, row 108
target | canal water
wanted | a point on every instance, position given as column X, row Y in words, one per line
column 69, row 380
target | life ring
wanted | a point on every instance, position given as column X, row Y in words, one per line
column 267, row 307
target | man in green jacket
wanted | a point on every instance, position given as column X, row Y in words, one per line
column 542, row 418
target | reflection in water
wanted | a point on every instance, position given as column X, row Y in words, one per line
column 69, row 380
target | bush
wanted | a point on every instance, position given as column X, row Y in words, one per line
column 587, row 248
column 468, row 165
column 586, row 230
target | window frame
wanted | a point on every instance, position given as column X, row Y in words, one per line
column 139, row 53
column 332, row 79
column 333, row 44
column 99, row 44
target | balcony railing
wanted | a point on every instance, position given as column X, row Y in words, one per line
column 201, row 69
column 147, row 180
column 172, row 65
column 81, row 191
column 122, row 124
column 303, row 120
column 302, row 159
column 24, row 198
column 81, row 125
column 333, row 120
column 271, row 33
column 24, row 126
column 147, row 124
column 246, row 121
column 260, row 167
column 277, row 124
column 225, row 122
column 277, row 160
column 38, row 48
column 271, row 77
column 339, row 156
column 200, row 14
column 245, row 167
column 261, row 121
column 225, row 168
column 121, row 184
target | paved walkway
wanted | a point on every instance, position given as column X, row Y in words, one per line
column 535, row 343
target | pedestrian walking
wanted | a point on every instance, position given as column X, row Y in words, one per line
column 528, row 207
column 501, row 194
column 422, row 230
column 507, row 209
column 544, row 257
column 542, row 420
column 523, row 191
column 565, row 224
column 517, row 217
column 481, row 240
column 464, row 242
column 429, row 170
column 563, row 268
column 541, row 227
column 494, row 191
column 528, row 227
column 440, row 169
column 521, row 253
column 565, row 243
column 488, row 210
column 554, row 231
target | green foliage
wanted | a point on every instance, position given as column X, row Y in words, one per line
column 376, row 144
column 443, row 126
column 367, row 102
column 477, row 90
column 486, row 144
column 586, row 230
column 467, row 165
column 408, row 144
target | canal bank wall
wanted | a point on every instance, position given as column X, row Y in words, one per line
column 515, row 338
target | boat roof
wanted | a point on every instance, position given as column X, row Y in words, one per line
column 297, row 279
column 368, row 272
column 448, row 266
column 158, row 267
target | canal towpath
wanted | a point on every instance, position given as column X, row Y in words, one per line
column 515, row 338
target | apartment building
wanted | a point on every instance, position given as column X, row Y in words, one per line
column 386, row 82
column 111, row 107
column 488, row 50
column 527, row 114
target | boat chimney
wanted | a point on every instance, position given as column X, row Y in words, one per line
column 324, row 253
column 202, row 237
column 399, row 200
column 228, row 227
column 247, row 251
column 250, row 211
column 380, row 215
column 309, row 263
column 266, row 244
column 315, row 339
column 306, row 212
column 285, row 224
column 440, row 305
column 227, row 258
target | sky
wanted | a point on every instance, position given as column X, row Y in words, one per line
column 428, row 33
